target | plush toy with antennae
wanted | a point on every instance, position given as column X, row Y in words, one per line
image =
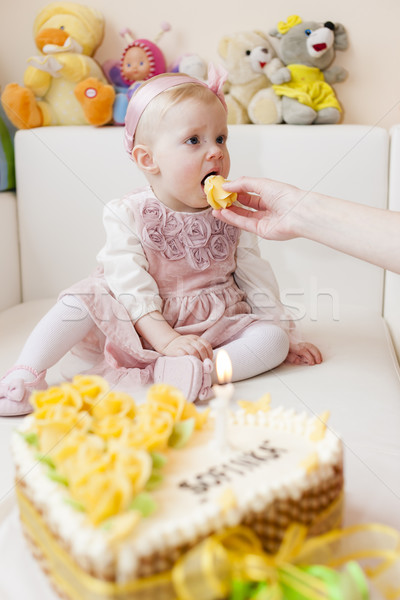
column 140, row 60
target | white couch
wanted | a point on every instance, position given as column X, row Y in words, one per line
column 52, row 231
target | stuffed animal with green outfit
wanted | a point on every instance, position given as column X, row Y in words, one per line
column 63, row 85
column 307, row 49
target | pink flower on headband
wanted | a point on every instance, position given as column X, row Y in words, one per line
column 156, row 85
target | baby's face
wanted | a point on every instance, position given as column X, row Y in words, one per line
column 189, row 145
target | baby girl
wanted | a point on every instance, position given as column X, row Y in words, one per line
column 174, row 283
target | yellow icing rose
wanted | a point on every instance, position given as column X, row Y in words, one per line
column 91, row 388
column 166, row 398
column 54, row 422
column 136, row 464
column 103, row 494
column 150, row 430
column 110, row 426
column 66, row 450
column 114, row 403
column 90, row 457
column 217, row 197
column 65, row 394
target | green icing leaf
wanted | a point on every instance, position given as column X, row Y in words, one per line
column 248, row 590
column 159, row 460
column 75, row 504
column 31, row 438
column 154, row 480
column 144, row 503
column 181, row 433
column 262, row 592
column 58, row 477
column 45, row 458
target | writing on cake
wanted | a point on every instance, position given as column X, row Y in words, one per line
column 240, row 464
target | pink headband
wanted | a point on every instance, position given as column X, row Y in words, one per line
column 157, row 85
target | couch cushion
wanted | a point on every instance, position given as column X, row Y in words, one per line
column 76, row 170
column 392, row 280
column 10, row 293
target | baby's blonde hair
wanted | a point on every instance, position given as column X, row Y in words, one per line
column 162, row 103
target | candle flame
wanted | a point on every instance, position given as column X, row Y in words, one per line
column 224, row 367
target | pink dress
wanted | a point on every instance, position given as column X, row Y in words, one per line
column 156, row 259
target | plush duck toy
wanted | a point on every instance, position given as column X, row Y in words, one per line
column 64, row 85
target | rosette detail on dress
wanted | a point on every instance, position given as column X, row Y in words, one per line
column 186, row 235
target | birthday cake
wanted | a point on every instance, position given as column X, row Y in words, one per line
column 114, row 492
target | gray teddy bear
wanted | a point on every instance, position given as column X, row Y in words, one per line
column 308, row 48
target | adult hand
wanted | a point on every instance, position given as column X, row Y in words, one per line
column 273, row 207
column 278, row 211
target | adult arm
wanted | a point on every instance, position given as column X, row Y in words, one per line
column 280, row 212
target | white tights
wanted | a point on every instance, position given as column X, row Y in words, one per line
column 66, row 324
column 259, row 348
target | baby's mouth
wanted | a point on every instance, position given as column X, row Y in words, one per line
column 208, row 175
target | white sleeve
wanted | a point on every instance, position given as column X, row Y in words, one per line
column 255, row 277
column 125, row 264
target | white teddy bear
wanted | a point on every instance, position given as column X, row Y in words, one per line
column 250, row 60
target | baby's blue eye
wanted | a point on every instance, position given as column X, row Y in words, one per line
column 308, row 32
column 220, row 139
column 193, row 140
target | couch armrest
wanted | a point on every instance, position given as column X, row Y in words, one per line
column 10, row 288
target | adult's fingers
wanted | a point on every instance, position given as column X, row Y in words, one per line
column 239, row 217
column 251, row 190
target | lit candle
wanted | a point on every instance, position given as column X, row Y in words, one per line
column 223, row 394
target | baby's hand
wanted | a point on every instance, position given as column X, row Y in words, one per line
column 189, row 344
column 303, row 353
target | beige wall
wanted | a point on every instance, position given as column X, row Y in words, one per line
column 371, row 94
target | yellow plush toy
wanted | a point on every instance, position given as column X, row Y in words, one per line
column 63, row 85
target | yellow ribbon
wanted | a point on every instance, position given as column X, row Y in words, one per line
column 284, row 26
column 206, row 572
